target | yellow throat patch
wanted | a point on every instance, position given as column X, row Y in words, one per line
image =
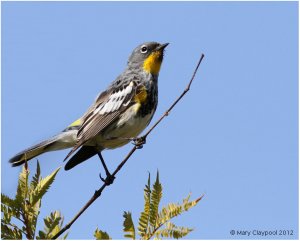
column 153, row 62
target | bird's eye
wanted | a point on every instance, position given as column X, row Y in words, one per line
column 144, row 49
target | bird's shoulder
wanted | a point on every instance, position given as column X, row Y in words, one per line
column 118, row 93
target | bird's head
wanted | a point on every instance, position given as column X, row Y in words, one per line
column 148, row 56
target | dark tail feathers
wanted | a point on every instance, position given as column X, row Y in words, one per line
column 82, row 155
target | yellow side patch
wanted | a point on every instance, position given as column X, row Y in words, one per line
column 153, row 62
column 141, row 96
column 76, row 123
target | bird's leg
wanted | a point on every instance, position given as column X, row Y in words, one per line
column 109, row 178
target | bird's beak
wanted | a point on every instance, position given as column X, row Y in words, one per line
column 161, row 47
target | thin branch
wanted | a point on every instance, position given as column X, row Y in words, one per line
column 178, row 99
column 139, row 142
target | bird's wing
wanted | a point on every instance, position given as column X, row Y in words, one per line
column 107, row 108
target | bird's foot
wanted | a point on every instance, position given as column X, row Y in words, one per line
column 139, row 142
column 108, row 180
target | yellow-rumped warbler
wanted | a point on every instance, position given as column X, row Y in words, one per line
column 118, row 114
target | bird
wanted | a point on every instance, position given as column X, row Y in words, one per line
column 117, row 116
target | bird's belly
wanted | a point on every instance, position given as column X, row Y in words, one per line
column 129, row 126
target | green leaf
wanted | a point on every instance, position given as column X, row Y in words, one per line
column 173, row 210
column 172, row 231
column 38, row 188
column 187, row 205
column 36, row 178
column 21, row 201
column 41, row 235
column 9, row 207
column 33, row 214
column 101, row 235
column 7, row 200
column 128, row 226
column 156, row 195
column 144, row 216
column 167, row 213
column 10, row 231
column 22, row 189
column 7, row 214
column 153, row 223
column 42, row 187
column 65, row 236
column 26, row 207
column 53, row 224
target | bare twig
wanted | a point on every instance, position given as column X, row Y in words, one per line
column 139, row 142
column 177, row 100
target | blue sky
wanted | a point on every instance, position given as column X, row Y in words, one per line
column 234, row 137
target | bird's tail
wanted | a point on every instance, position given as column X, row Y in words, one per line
column 65, row 139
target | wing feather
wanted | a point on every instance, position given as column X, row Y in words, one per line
column 107, row 108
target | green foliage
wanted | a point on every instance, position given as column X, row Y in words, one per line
column 100, row 235
column 128, row 225
column 172, row 231
column 152, row 222
column 40, row 187
column 144, row 217
column 156, row 195
column 53, row 224
column 20, row 215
